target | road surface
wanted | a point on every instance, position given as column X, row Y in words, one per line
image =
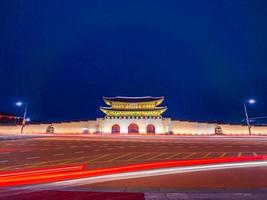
column 106, row 151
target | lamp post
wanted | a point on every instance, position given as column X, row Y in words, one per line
column 250, row 101
column 19, row 104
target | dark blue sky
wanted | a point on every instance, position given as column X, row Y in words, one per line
column 205, row 57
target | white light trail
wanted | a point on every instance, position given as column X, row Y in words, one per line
column 146, row 173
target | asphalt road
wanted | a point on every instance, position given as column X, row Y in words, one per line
column 99, row 152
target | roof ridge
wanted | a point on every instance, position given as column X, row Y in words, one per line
column 128, row 97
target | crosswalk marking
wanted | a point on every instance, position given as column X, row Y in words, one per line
column 173, row 155
column 97, row 158
column 144, row 154
column 49, row 162
column 222, row 155
column 188, row 156
column 79, row 152
column 73, row 160
column 34, row 157
column 158, row 155
column 121, row 156
column 206, row 155
column 58, row 154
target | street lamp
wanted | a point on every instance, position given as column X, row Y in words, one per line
column 250, row 101
column 19, row 104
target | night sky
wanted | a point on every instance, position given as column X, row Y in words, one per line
column 205, row 57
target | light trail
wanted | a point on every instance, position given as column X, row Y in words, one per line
column 47, row 170
column 145, row 168
column 146, row 173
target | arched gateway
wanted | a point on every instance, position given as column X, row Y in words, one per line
column 151, row 129
column 50, row 129
column 218, row 130
column 115, row 129
column 133, row 128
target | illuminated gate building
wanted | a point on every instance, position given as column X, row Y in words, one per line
column 134, row 115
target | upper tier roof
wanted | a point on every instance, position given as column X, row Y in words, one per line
column 133, row 99
column 156, row 108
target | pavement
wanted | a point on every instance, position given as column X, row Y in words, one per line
column 106, row 151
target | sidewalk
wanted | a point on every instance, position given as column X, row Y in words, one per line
column 108, row 195
column 73, row 195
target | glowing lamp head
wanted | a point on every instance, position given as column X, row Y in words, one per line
column 19, row 103
column 28, row 120
column 251, row 101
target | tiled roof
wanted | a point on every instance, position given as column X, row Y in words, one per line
column 133, row 99
column 156, row 108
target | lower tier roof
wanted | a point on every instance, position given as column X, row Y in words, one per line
column 135, row 113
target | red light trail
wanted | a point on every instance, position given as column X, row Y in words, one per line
column 63, row 173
